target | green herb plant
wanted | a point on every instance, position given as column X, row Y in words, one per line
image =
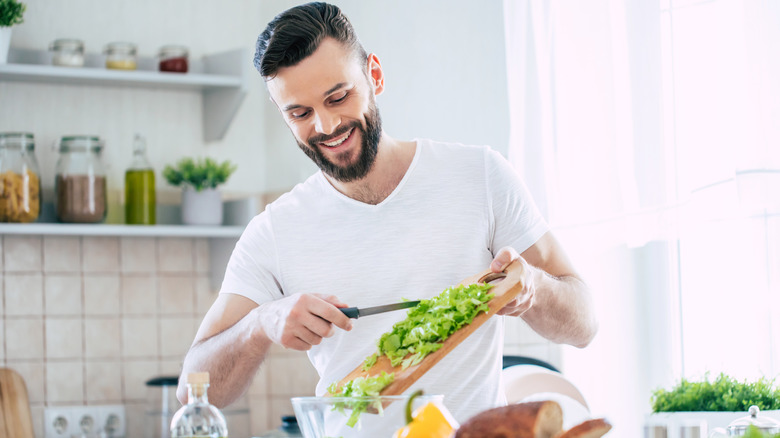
column 11, row 12
column 199, row 174
column 724, row 394
column 366, row 389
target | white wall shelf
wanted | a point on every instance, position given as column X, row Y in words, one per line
column 222, row 79
column 222, row 239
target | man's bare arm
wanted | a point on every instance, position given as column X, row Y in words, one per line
column 236, row 334
column 229, row 347
column 560, row 307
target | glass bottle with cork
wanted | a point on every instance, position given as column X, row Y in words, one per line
column 198, row 418
column 140, row 196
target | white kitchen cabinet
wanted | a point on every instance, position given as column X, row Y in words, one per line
column 222, row 78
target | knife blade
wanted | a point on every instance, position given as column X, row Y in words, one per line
column 356, row 312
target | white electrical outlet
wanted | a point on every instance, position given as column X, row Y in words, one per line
column 111, row 419
column 57, row 422
column 97, row 420
column 84, row 420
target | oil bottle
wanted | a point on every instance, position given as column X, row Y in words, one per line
column 140, row 197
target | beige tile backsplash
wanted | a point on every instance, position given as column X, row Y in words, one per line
column 88, row 320
column 100, row 254
column 64, row 338
column 65, row 382
column 103, row 381
column 62, row 294
column 24, row 338
column 102, row 338
column 61, row 254
column 26, row 254
column 171, row 251
column 176, row 294
column 24, row 294
column 101, row 295
column 138, row 254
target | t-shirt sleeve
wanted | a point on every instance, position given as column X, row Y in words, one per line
column 252, row 268
column 516, row 220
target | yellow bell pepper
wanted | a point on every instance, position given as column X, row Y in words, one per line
column 428, row 422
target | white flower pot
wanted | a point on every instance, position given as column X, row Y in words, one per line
column 5, row 44
column 201, row 208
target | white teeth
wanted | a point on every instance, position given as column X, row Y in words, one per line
column 338, row 142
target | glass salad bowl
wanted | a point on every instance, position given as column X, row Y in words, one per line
column 346, row 417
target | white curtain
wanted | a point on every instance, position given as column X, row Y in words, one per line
column 649, row 134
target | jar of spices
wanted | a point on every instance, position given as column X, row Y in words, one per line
column 121, row 56
column 174, row 59
column 20, row 183
column 80, row 181
column 67, row 52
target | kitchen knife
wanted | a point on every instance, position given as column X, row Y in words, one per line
column 355, row 312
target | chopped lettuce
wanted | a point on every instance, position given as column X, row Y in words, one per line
column 360, row 387
column 423, row 331
column 429, row 323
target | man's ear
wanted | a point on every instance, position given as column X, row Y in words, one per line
column 375, row 74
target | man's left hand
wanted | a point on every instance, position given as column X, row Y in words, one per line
column 525, row 298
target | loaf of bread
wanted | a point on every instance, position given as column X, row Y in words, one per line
column 542, row 419
column 588, row 429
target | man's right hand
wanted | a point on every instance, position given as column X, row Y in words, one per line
column 301, row 321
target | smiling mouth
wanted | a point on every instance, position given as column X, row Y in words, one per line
column 338, row 140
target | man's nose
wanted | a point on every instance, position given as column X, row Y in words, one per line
column 326, row 123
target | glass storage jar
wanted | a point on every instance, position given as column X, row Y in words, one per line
column 121, row 56
column 20, row 182
column 80, row 181
column 174, row 59
column 67, row 52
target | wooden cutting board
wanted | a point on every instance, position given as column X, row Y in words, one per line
column 504, row 291
column 15, row 418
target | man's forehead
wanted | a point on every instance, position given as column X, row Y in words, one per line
column 331, row 64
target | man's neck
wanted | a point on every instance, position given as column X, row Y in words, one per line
column 392, row 161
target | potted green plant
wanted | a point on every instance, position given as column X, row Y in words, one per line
column 11, row 12
column 718, row 402
column 201, row 201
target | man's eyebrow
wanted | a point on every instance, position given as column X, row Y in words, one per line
column 334, row 88
column 291, row 107
column 325, row 94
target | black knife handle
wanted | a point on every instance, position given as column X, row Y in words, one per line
column 351, row 312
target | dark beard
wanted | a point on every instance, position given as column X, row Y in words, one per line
column 370, row 144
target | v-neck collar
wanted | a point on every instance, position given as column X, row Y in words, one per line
column 396, row 190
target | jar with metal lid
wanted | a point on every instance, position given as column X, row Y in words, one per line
column 67, row 52
column 121, row 56
column 80, row 181
column 20, row 183
column 174, row 59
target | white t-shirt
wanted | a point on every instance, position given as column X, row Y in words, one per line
column 453, row 210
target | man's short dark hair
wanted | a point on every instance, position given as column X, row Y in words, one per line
column 297, row 32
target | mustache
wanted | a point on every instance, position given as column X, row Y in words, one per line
column 322, row 138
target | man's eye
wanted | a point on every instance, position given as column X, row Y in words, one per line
column 340, row 99
column 299, row 115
